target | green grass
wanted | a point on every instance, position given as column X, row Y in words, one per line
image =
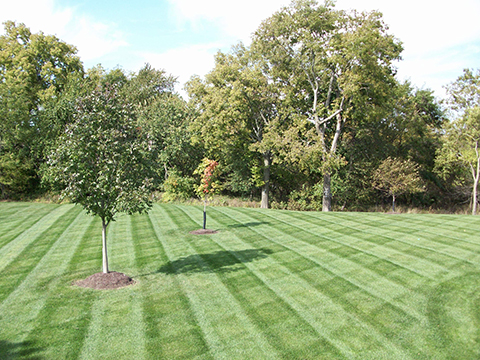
column 269, row 285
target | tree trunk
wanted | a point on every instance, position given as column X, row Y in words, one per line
column 205, row 212
column 327, row 193
column 474, row 194
column 104, row 246
column 393, row 203
column 267, row 162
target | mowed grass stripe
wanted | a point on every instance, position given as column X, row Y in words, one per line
column 350, row 242
column 60, row 326
column 164, row 305
column 116, row 330
column 21, row 226
column 286, row 327
column 13, row 210
column 18, row 312
column 425, row 228
column 21, row 261
column 321, row 309
column 286, row 331
column 228, row 331
column 419, row 244
column 14, row 214
column 351, row 260
column 165, row 302
column 441, row 231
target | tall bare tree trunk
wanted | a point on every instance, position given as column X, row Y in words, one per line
column 327, row 193
column 474, row 195
column 104, row 246
column 267, row 162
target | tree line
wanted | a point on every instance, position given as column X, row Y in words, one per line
column 309, row 116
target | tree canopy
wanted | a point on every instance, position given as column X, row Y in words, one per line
column 103, row 160
column 335, row 67
column 305, row 118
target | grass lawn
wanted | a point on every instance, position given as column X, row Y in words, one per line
column 269, row 285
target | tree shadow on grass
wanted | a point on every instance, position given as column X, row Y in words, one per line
column 249, row 224
column 23, row 350
column 220, row 261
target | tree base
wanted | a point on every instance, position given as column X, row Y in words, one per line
column 102, row 281
column 203, row 232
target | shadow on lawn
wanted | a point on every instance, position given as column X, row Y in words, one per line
column 250, row 224
column 220, row 261
column 24, row 350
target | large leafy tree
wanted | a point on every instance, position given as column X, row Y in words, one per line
column 460, row 152
column 165, row 116
column 336, row 67
column 241, row 116
column 34, row 69
column 407, row 126
column 103, row 160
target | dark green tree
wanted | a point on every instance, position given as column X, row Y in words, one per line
column 34, row 69
column 241, row 114
column 335, row 66
column 103, row 160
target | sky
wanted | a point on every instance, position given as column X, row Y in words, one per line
column 440, row 38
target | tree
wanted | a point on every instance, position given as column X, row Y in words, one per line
column 166, row 118
column 34, row 69
column 207, row 183
column 396, row 177
column 459, row 154
column 407, row 126
column 103, row 160
column 241, row 115
column 335, row 66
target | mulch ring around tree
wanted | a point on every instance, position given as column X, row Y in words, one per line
column 102, row 281
column 203, row 232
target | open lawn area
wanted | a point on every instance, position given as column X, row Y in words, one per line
column 269, row 285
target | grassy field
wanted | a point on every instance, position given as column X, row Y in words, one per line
column 269, row 285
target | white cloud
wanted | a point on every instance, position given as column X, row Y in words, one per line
column 439, row 38
column 185, row 62
column 237, row 19
column 92, row 38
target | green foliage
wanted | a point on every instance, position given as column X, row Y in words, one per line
column 465, row 91
column 396, row 177
column 333, row 67
column 241, row 115
column 178, row 187
column 35, row 69
column 103, row 160
column 460, row 155
column 15, row 175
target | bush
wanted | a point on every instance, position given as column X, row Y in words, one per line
column 178, row 188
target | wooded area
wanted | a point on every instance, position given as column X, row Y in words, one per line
column 309, row 116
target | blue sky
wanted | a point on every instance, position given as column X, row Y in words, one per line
column 182, row 36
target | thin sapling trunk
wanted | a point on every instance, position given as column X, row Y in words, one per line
column 104, row 246
column 205, row 212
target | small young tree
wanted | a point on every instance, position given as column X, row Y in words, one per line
column 103, row 160
column 207, row 185
column 396, row 177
